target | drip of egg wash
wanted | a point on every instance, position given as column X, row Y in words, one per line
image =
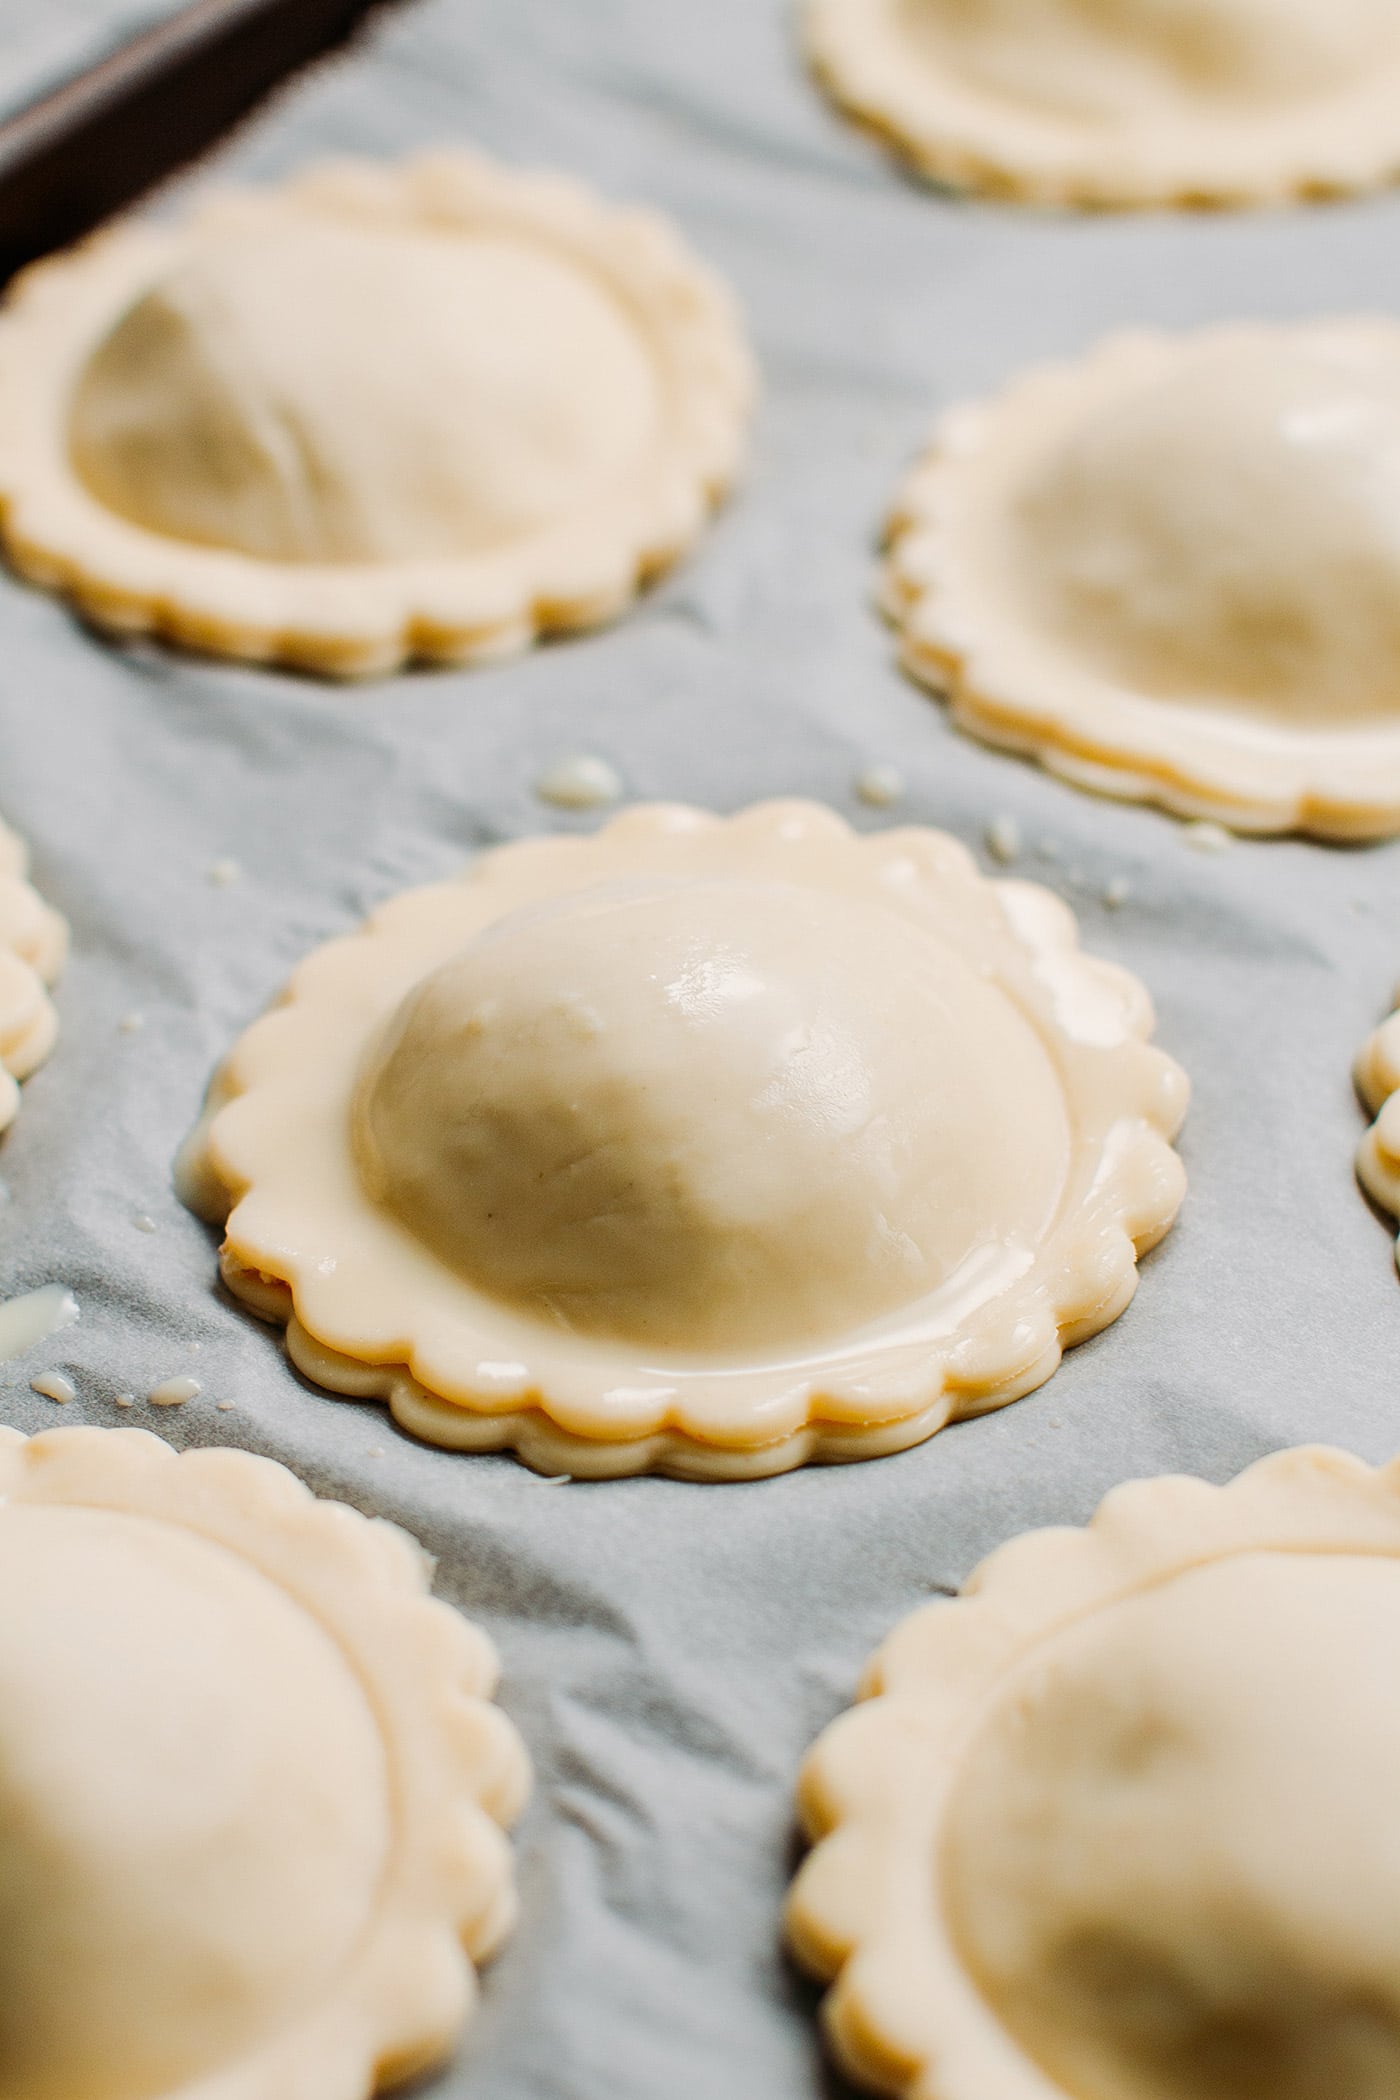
column 31, row 1319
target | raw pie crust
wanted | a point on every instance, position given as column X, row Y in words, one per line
column 283, row 430
column 702, row 1146
column 1114, row 1826
column 33, row 944
column 1378, row 1083
column 1171, row 571
column 1067, row 102
column 250, row 1784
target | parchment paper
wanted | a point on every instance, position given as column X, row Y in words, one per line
column 671, row 1650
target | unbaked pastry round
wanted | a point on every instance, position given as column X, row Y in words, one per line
column 250, row 1784
column 33, row 944
column 1113, row 1826
column 381, row 413
column 701, row 1146
column 1377, row 1074
column 1172, row 572
column 1149, row 102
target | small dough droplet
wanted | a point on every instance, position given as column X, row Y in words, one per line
column 27, row 1321
column 131, row 1024
column 1117, row 892
column 52, row 1385
column 579, row 783
column 1206, row 837
column 223, row 873
column 175, row 1392
column 880, row 786
column 125, row 1400
column 144, row 1222
column 1004, row 839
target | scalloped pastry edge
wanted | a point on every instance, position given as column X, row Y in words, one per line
column 367, row 619
column 1009, row 689
column 1377, row 1077
column 428, row 1673
column 855, row 1918
column 952, row 135
column 1013, row 1345
column 34, row 956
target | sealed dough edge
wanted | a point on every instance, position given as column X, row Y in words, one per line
column 452, row 1773
column 370, row 1314
column 905, row 2014
column 367, row 618
column 33, row 947
column 986, row 144
column 1377, row 1076
column 953, row 603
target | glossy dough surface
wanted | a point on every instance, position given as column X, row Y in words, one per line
column 1148, row 103
column 1141, row 1772
column 711, row 1146
column 1172, row 571
column 1154, row 1860
column 249, row 1783
column 33, row 945
column 379, row 413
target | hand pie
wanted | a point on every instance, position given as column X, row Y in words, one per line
column 1144, row 102
column 1116, row 1824
column 1172, row 572
column 33, row 944
column 1378, row 1083
column 702, row 1146
column 381, row 413
column 250, row 1786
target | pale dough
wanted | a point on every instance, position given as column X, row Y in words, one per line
column 1139, row 103
column 380, row 413
column 33, row 945
column 1115, row 1825
column 1377, row 1075
column 698, row 1145
column 251, row 1788
column 1172, row 572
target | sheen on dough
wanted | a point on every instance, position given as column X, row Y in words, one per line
column 251, row 1786
column 1137, row 103
column 1114, row 1824
column 377, row 414
column 33, row 945
column 1172, row 572
column 698, row 1145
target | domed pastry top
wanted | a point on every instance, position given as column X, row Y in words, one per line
column 250, row 1786
column 1114, row 1826
column 1172, row 571
column 1146, row 102
column 33, row 944
column 698, row 1145
column 379, row 413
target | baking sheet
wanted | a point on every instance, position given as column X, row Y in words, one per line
column 43, row 41
column 670, row 1650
